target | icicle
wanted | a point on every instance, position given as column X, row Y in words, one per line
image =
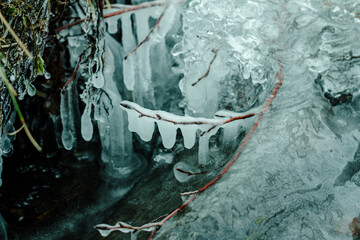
column 203, row 154
column 144, row 127
column 86, row 124
column 67, row 136
column 129, row 72
column 128, row 42
column 189, row 135
column 143, row 93
column 167, row 21
column 230, row 133
column 168, row 133
column 141, row 121
column 112, row 22
column 142, row 24
column 128, row 39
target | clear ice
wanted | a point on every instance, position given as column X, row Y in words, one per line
column 298, row 177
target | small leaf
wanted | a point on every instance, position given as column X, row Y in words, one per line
column 10, row 11
column 24, row 21
column 40, row 66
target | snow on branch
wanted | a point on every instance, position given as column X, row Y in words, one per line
column 141, row 121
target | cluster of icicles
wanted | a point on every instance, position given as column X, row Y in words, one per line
column 103, row 96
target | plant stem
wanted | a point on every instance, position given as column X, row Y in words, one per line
column 16, row 105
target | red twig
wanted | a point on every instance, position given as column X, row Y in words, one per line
column 74, row 73
column 149, row 34
column 191, row 173
column 134, row 8
column 130, row 9
column 215, row 51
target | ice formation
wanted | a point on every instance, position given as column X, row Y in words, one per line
column 110, row 76
column 293, row 178
column 142, row 121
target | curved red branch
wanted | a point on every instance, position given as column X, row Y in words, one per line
column 215, row 51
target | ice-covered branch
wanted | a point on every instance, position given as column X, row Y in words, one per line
column 141, row 121
column 149, row 34
column 215, row 51
column 74, row 73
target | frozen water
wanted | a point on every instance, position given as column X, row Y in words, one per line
column 167, row 132
column 189, row 135
column 87, row 128
column 67, row 135
column 298, row 176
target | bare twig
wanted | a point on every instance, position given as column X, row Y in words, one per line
column 215, row 51
column 17, row 39
column 8, row 45
column 149, row 34
column 129, row 9
column 74, row 73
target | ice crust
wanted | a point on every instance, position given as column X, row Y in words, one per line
column 293, row 179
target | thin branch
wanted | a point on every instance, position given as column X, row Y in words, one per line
column 149, row 34
column 74, row 73
column 129, row 9
column 194, row 121
column 215, row 51
column 8, row 45
column 191, row 173
column 157, row 225
column 174, row 119
column 17, row 39
column 71, row 24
